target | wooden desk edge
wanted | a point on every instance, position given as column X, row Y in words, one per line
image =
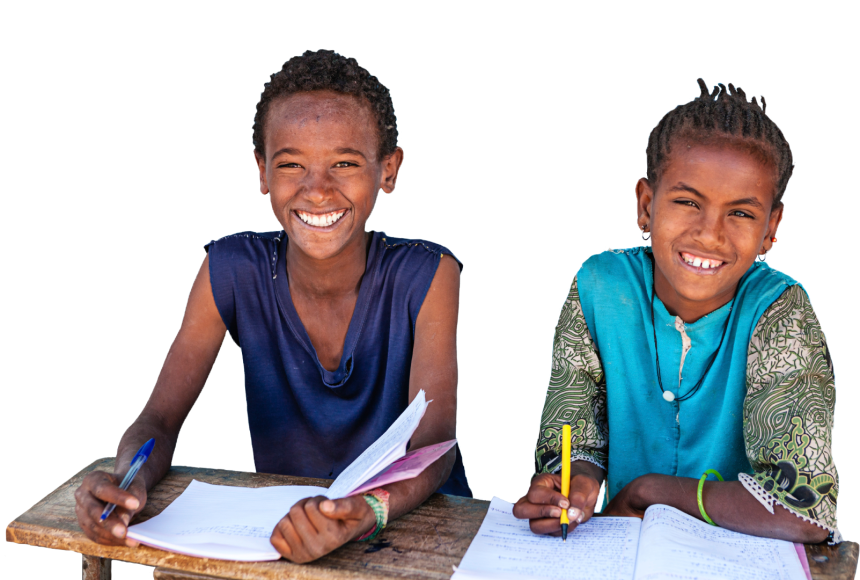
column 35, row 535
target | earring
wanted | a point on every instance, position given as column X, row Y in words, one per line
column 760, row 258
column 773, row 240
column 645, row 232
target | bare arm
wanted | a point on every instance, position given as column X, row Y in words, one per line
column 316, row 526
column 728, row 503
column 182, row 377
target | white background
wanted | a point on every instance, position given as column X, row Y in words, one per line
column 125, row 140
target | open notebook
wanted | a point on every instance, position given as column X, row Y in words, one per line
column 667, row 543
column 235, row 523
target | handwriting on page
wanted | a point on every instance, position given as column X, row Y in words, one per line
column 505, row 547
column 674, row 545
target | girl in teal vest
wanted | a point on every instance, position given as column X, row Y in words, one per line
column 691, row 355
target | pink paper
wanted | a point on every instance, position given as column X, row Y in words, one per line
column 801, row 553
column 408, row 466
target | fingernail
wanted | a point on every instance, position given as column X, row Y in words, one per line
column 125, row 518
column 118, row 531
column 131, row 543
column 575, row 515
column 132, row 504
column 555, row 513
column 564, row 504
column 327, row 506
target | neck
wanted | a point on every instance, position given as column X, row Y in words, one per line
column 332, row 277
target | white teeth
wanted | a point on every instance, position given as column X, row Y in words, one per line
column 697, row 262
column 320, row 220
column 706, row 264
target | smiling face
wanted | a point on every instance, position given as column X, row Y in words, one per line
column 322, row 170
column 709, row 218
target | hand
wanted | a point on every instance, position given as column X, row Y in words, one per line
column 630, row 501
column 99, row 489
column 543, row 503
column 315, row 526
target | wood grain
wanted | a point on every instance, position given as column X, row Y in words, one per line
column 424, row 544
column 95, row 568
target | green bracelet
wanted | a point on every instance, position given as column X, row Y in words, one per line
column 380, row 511
column 699, row 493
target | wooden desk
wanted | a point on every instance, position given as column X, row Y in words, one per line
column 424, row 544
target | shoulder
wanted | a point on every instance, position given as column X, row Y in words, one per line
column 617, row 263
column 249, row 242
column 243, row 250
column 411, row 256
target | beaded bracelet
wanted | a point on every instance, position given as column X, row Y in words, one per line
column 377, row 499
column 699, row 493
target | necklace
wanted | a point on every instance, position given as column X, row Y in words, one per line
column 669, row 396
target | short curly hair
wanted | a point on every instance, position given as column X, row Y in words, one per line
column 722, row 116
column 326, row 70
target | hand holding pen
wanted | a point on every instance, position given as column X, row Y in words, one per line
column 108, row 524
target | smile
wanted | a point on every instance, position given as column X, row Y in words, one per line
column 699, row 262
column 321, row 220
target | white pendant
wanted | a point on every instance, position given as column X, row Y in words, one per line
column 669, row 396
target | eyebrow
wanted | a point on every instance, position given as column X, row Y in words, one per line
column 342, row 151
column 681, row 186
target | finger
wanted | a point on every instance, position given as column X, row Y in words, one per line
column 583, row 496
column 296, row 552
column 348, row 508
column 93, row 528
column 105, row 489
column 526, row 510
column 539, row 494
column 281, row 545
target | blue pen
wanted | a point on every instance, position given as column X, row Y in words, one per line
column 136, row 463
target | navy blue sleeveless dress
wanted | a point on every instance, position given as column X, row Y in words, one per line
column 306, row 420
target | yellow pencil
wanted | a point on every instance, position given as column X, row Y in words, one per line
column 565, row 475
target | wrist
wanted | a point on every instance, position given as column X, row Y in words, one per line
column 644, row 491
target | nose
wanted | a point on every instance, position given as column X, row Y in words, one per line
column 317, row 186
column 709, row 231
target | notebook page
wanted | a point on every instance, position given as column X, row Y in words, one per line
column 506, row 549
column 384, row 451
column 676, row 545
column 223, row 522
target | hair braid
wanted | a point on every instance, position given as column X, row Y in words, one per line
column 723, row 114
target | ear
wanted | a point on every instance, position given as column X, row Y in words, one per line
column 772, row 225
column 390, row 169
column 261, row 165
column 644, row 199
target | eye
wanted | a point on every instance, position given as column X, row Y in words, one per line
column 289, row 165
column 743, row 214
column 687, row 202
column 345, row 164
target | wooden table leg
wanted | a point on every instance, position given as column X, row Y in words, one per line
column 96, row 568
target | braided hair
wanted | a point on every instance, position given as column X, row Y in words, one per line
column 722, row 117
column 327, row 70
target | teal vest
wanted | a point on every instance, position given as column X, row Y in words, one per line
column 647, row 434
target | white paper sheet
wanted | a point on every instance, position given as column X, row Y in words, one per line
column 384, row 451
column 675, row 545
column 505, row 548
column 220, row 521
column 235, row 523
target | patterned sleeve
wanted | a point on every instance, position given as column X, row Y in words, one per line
column 788, row 413
column 576, row 394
